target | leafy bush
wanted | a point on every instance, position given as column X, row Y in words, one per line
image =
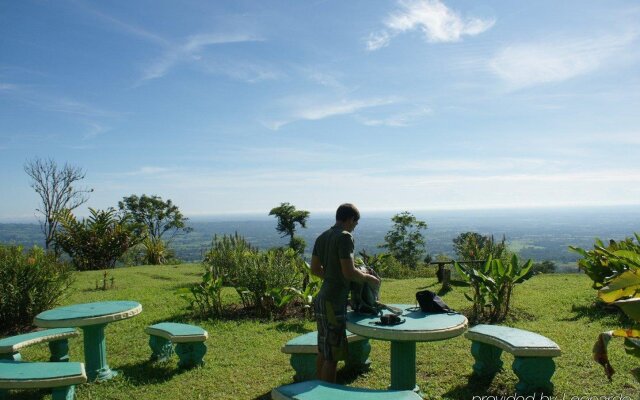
column 205, row 298
column 599, row 265
column 30, row 282
column 157, row 252
column 267, row 281
column 96, row 242
column 545, row 267
column 307, row 295
column 492, row 286
column 227, row 252
column 269, row 277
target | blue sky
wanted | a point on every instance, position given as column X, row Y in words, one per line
column 236, row 106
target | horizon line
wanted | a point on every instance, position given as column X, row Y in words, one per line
column 324, row 212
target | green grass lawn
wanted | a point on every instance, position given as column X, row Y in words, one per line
column 244, row 359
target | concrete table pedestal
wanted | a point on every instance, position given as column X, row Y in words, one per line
column 418, row 327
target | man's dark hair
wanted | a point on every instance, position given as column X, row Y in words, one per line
column 346, row 211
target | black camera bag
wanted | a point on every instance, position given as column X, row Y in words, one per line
column 432, row 303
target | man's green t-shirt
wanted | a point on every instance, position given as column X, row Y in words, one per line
column 330, row 247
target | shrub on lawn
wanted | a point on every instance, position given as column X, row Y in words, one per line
column 270, row 279
column 30, row 282
column 268, row 282
column 98, row 241
column 204, row 298
column 225, row 256
column 493, row 286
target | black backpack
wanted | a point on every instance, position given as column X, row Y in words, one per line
column 432, row 303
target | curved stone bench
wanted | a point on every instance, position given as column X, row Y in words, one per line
column 533, row 364
column 57, row 338
column 61, row 377
column 189, row 340
column 319, row 390
column 304, row 350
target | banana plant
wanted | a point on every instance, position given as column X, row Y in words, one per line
column 492, row 286
column 623, row 290
column 599, row 264
column 281, row 297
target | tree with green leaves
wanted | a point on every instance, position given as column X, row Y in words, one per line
column 472, row 246
column 98, row 241
column 405, row 240
column 157, row 218
column 544, row 267
column 288, row 217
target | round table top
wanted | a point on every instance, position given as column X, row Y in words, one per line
column 418, row 326
column 102, row 312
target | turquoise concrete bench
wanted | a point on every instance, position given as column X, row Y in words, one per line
column 57, row 338
column 304, row 349
column 318, row 390
column 61, row 377
column 533, row 364
column 189, row 341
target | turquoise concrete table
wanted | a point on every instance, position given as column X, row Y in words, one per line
column 92, row 318
column 418, row 327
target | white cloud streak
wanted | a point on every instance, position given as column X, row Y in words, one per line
column 123, row 27
column 434, row 19
column 190, row 51
column 528, row 64
column 320, row 111
column 7, row 87
column 399, row 120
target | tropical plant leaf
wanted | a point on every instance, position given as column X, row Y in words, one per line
column 624, row 285
column 631, row 257
column 523, row 272
column 462, row 271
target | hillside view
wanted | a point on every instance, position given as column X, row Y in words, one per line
column 539, row 234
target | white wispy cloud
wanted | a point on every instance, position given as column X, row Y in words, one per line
column 473, row 167
column 70, row 106
column 6, row 87
column 122, row 26
column 249, row 72
column 528, row 64
column 149, row 171
column 320, row 111
column 325, row 79
column 433, row 18
column 54, row 102
column 400, row 119
column 190, row 51
column 95, row 129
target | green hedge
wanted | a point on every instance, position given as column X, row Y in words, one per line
column 30, row 282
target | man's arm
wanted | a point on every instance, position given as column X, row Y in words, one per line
column 316, row 267
column 350, row 272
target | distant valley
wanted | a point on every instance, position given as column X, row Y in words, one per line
column 539, row 234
